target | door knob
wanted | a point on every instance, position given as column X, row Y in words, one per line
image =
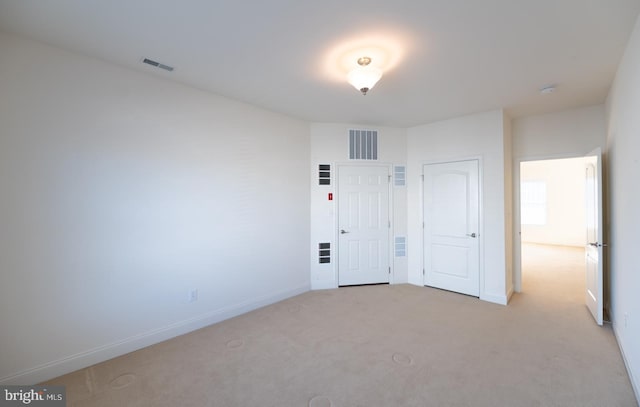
column 471, row 235
column 342, row 231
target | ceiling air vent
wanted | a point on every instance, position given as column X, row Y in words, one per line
column 363, row 145
column 157, row 64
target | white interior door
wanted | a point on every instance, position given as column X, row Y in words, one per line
column 451, row 219
column 594, row 246
column 363, row 223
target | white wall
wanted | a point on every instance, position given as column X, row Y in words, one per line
column 120, row 192
column 479, row 135
column 569, row 133
column 329, row 145
column 566, row 217
column 623, row 147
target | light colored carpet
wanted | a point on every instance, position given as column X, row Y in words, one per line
column 383, row 346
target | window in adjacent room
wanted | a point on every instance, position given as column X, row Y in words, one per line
column 533, row 200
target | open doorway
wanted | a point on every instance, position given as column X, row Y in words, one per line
column 552, row 228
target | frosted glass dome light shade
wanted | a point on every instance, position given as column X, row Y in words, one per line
column 364, row 77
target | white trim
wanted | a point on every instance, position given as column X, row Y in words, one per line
column 99, row 354
column 495, row 298
column 517, row 230
column 481, row 224
column 478, row 158
column 422, row 220
column 336, row 219
column 546, row 157
column 324, row 285
column 392, row 253
column 634, row 384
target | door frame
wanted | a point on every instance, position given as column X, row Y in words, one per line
column 336, row 226
column 480, row 215
column 517, row 220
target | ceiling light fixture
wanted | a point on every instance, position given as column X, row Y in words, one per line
column 364, row 76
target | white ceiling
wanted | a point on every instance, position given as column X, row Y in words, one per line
column 451, row 57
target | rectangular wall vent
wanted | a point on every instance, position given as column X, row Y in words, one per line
column 157, row 64
column 401, row 246
column 324, row 174
column 363, row 144
column 399, row 176
column 324, row 253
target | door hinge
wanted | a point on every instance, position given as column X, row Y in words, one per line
column 389, row 179
column 389, row 269
column 423, row 272
column 389, row 224
column 422, row 224
column 422, row 176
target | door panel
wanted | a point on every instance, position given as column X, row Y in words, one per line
column 353, row 217
column 451, row 201
column 450, row 260
column 594, row 247
column 363, row 220
column 451, row 219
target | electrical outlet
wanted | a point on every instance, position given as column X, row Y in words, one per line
column 192, row 295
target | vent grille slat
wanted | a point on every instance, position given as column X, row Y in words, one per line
column 165, row 67
column 400, row 176
column 324, row 174
column 157, row 64
column 150, row 62
column 324, row 253
column 400, row 246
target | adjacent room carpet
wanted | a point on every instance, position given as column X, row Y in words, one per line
column 398, row 345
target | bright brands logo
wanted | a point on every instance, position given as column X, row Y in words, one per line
column 45, row 396
column 26, row 398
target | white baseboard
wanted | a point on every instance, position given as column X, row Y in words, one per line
column 634, row 384
column 398, row 280
column 323, row 285
column 416, row 280
column 99, row 354
column 495, row 298
column 510, row 294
